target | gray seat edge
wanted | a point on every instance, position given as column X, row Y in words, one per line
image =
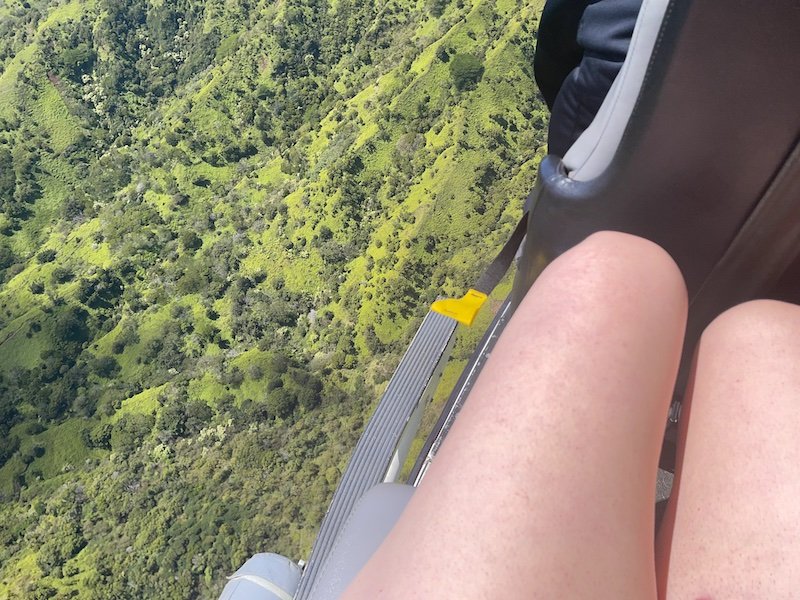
column 370, row 521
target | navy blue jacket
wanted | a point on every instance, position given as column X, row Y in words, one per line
column 580, row 49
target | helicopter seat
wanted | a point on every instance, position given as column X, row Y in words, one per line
column 696, row 147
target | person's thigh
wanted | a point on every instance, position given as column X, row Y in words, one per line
column 545, row 486
column 733, row 526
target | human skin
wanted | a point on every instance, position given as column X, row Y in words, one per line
column 732, row 529
column 545, row 485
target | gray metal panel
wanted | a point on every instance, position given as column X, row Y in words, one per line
column 374, row 450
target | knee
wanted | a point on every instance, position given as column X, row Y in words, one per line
column 632, row 249
column 746, row 360
column 613, row 276
column 635, row 267
column 755, row 329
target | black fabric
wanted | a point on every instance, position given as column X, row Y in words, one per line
column 497, row 269
column 557, row 48
column 575, row 75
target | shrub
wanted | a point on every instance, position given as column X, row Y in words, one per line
column 466, row 70
column 46, row 256
column 190, row 240
column 100, row 436
column 77, row 60
column 105, row 366
column 436, row 7
column 7, row 257
column 129, row 432
column 281, row 402
column 61, row 275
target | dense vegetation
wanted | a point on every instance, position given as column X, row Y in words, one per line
column 220, row 224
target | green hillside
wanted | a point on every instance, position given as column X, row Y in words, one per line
column 221, row 223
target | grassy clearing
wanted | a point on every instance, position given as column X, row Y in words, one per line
column 23, row 572
column 207, row 388
column 8, row 80
column 396, row 129
column 151, row 326
column 144, row 403
column 271, row 174
column 17, row 350
column 65, row 12
column 54, row 115
column 61, row 450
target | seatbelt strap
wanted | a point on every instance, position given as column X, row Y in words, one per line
column 465, row 309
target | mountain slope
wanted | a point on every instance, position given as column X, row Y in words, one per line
column 221, row 223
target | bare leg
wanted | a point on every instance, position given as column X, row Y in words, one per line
column 732, row 529
column 545, row 486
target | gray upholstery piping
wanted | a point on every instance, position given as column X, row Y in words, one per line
column 591, row 154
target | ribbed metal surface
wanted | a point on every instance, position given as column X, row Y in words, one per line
column 377, row 444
